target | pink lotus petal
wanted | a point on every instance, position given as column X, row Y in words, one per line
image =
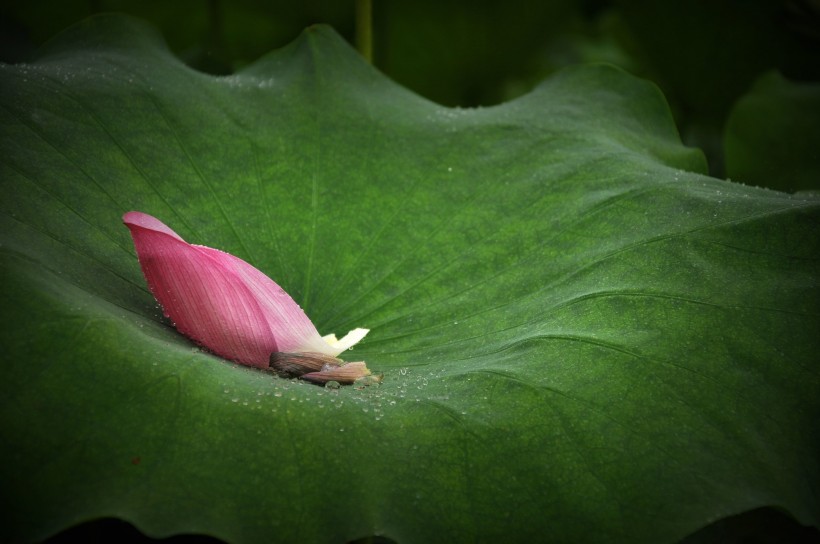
column 218, row 300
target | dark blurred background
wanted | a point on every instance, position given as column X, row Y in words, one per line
column 705, row 55
column 741, row 77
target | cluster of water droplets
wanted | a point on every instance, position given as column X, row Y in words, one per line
column 449, row 118
column 377, row 400
column 246, row 81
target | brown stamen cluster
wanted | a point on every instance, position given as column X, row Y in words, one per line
column 318, row 368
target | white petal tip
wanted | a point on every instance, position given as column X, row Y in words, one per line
column 348, row 341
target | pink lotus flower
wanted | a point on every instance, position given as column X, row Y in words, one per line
column 228, row 306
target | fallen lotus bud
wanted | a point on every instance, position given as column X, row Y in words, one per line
column 223, row 303
column 320, row 369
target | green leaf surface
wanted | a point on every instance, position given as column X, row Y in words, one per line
column 583, row 338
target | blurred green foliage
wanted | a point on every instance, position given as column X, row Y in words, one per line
column 704, row 55
column 772, row 136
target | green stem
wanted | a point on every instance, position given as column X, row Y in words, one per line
column 364, row 29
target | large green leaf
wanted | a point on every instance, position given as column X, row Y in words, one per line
column 583, row 338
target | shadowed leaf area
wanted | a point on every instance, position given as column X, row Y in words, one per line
column 583, row 337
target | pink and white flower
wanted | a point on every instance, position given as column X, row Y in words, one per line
column 223, row 303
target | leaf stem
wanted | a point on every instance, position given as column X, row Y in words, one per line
column 364, row 29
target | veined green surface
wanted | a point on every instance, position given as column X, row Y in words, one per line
column 583, row 338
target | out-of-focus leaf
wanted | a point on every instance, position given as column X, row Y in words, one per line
column 773, row 135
